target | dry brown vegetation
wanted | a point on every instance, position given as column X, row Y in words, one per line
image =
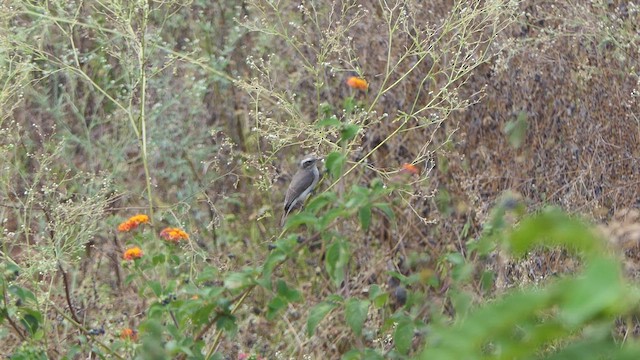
column 199, row 125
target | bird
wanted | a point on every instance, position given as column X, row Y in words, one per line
column 302, row 183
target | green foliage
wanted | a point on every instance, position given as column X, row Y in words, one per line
column 317, row 313
column 525, row 323
column 184, row 111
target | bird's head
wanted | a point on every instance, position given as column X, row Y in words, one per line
column 309, row 161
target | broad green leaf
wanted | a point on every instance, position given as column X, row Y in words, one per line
column 159, row 259
column 291, row 294
column 274, row 258
column 237, row 280
column 351, row 355
column 202, row 314
column 227, row 323
column 23, row 294
column 321, row 200
column 602, row 349
column 348, row 132
column 317, row 313
column 599, row 291
column 403, row 336
column 336, row 260
column 331, row 215
column 356, row 313
column 461, row 302
column 331, row 121
column 275, row 305
column 366, row 354
column 303, row 218
column 31, row 320
column 364, row 214
column 386, row 209
column 371, row 354
column 335, row 163
column 377, row 296
column 156, row 287
column 553, row 227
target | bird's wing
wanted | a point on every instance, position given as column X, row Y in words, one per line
column 300, row 182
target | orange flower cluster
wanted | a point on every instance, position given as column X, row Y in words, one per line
column 132, row 253
column 129, row 334
column 133, row 222
column 410, row 169
column 174, row 235
column 357, row 83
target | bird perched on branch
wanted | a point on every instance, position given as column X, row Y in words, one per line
column 302, row 183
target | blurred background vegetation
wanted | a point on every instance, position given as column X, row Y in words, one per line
column 196, row 112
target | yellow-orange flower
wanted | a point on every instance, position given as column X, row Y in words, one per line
column 358, row 83
column 129, row 334
column 133, row 222
column 410, row 169
column 174, row 235
column 132, row 253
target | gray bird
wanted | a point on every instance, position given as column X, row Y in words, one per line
column 301, row 185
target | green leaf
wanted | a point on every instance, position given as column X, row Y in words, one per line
column 487, row 279
column 366, row 354
column 274, row 258
column 364, row 214
column 386, row 209
column 31, row 320
column 356, row 314
column 599, row 291
column 292, row 295
column 331, row 215
column 370, row 354
column 378, row 296
column 336, row 260
column 335, row 163
column 238, row 280
column 403, row 336
column 156, row 287
column 22, row 293
column 353, row 354
column 202, row 314
column 553, row 228
column 275, row 305
column 317, row 313
column 348, row 132
column 461, row 302
column 303, row 218
column 158, row 259
column 227, row 323
column 331, row 121
column 516, row 130
column 321, row 200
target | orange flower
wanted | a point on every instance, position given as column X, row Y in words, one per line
column 133, row 222
column 132, row 253
column 129, row 334
column 357, row 83
column 174, row 235
column 125, row 226
column 410, row 169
